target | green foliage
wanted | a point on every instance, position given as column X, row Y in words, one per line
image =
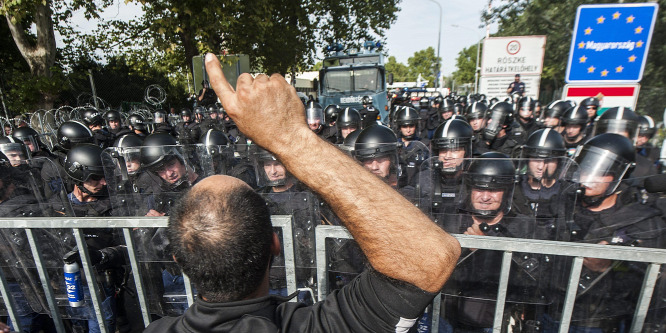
column 466, row 64
column 399, row 70
column 424, row 62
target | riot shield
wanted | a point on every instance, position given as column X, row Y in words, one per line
column 32, row 258
column 219, row 157
column 546, row 189
column 469, row 297
column 149, row 181
column 411, row 158
column 303, row 206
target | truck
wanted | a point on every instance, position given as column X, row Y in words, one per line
column 348, row 76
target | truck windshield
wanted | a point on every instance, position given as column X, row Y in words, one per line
column 346, row 80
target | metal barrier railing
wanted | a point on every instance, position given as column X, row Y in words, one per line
column 578, row 251
column 283, row 222
column 654, row 257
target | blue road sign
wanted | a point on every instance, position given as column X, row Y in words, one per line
column 610, row 42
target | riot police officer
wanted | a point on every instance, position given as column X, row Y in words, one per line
column 331, row 113
column 95, row 122
column 574, row 121
column 624, row 121
column 160, row 123
column 525, row 112
column 611, row 213
column 315, row 117
column 137, row 125
column 646, row 130
column 369, row 114
column 551, row 116
column 592, row 105
column 30, row 138
column 476, row 117
column 497, row 135
column 349, row 120
column 413, row 149
column 187, row 131
column 113, row 121
column 450, row 146
column 69, row 134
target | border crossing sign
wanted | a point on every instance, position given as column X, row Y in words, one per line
column 610, row 42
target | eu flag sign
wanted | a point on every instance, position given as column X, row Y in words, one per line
column 610, row 42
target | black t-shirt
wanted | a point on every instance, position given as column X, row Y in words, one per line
column 370, row 303
column 518, row 87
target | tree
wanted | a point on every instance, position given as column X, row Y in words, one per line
column 278, row 35
column 39, row 51
column 399, row 70
column 466, row 64
column 424, row 62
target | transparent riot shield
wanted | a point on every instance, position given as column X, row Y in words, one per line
column 440, row 188
column 32, row 258
column 411, row 158
column 219, row 157
column 469, row 298
column 547, row 190
column 303, row 206
column 148, row 181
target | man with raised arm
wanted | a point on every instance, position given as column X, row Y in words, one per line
column 220, row 232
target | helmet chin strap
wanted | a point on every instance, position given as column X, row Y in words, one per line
column 592, row 202
column 83, row 189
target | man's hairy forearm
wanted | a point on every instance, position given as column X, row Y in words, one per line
column 398, row 239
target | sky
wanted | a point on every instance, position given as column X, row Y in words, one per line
column 415, row 29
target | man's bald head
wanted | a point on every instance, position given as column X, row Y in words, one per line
column 220, row 234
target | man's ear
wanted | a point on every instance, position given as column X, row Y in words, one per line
column 275, row 245
column 174, row 258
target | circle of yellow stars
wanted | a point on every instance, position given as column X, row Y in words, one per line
column 600, row 20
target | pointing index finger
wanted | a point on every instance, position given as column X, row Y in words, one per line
column 217, row 80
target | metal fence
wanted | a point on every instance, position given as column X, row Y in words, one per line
column 577, row 251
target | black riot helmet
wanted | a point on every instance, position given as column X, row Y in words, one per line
column 525, row 103
column 448, row 138
column 136, row 122
column 128, row 140
column 314, row 113
column 73, row 132
column 603, row 161
column 186, row 113
column 375, row 142
column 646, row 126
column 544, row 143
column 575, row 116
column 500, row 116
column 592, row 104
column 349, row 143
column 29, row 137
column 112, row 115
column 214, row 137
column 619, row 120
column 156, row 150
column 556, row 109
column 490, row 172
column 366, row 100
column 84, row 161
column 445, row 107
column 424, row 103
column 438, row 100
column 407, row 116
column 476, row 110
column 458, row 109
column 200, row 112
column 92, row 117
column 349, row 117
column 217, row 145
column 331, row 113
column 212, row 108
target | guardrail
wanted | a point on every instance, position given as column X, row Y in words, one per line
column 654, row 257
